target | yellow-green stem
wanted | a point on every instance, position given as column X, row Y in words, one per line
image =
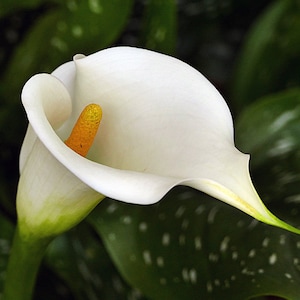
column 24, row 262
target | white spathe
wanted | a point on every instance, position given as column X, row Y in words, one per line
column 163, row 125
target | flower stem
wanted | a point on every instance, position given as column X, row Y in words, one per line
column 23, row 265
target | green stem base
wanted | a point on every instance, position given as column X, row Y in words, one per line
column 24, row 262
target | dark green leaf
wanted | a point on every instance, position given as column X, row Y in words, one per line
column 159, row 31
column 270, row 130
column 80, row 259
column 10, row 6
column 270, row 59
column 269, row 126
column 6, row 235
column 69, row 28
column 190, row 246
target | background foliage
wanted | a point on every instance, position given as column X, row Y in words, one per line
column 188, row 245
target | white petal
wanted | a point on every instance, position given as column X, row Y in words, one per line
column 50, row 198
column 163, row 124
column 163, row 117
column 27, row 146
column 123, row 185
column 52, row 99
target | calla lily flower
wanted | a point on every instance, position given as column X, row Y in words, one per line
column 164, row 124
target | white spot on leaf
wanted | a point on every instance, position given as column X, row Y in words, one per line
column 185, row 275
column 112, row 208
column 273, row 259
column 143, row 226
column 77, row 31
column 160, row 261
column 287, row 275
column 59, row 44
column 252, row 253
column 217, row 282
column 198, row 243
column 185, row 224
column 224, row 244
column 265, row 242
column 180, row 211
column 212, row 214
column 166, row 239
column 147, row 257
column 209, row 287
column 282, row 239
column 181, row 240
column 213, row 257
column 126, row 220
column 95, row 6
column 200, row 209
column 234, row 255
column 193, row 276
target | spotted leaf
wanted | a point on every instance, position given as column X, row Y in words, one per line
column 191, row 246
column 159, row 30
column 274, row 145
column 64, row 28
column 80, row 260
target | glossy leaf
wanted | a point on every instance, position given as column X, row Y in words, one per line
column 269, row 130
column 159, row 28
column 268, row 127
column 64, row 30
column 269, row 61
column 191, row 246
column 80, row 259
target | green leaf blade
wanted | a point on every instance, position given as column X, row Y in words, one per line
column 269, row 60
column 191, row 246
column 160, row 26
